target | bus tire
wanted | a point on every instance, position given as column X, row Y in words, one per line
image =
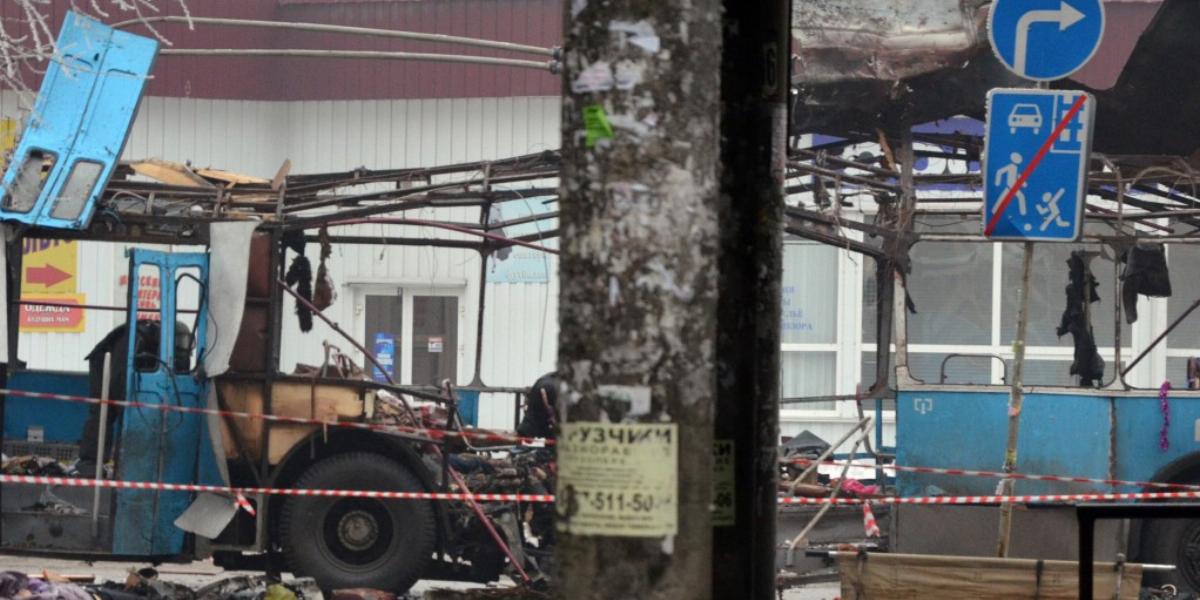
column 358, row 542
column 1174, row 542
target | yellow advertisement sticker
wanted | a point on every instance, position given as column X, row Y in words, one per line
column 49, row 266
column 53, row 313
column 618, row 479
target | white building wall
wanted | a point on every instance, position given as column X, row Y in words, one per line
column 256, row 137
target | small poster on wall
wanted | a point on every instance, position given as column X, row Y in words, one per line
column 385, row 353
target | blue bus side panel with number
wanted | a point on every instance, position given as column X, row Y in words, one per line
column 1061, row 434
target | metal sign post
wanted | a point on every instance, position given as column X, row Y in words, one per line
column 1037, row 148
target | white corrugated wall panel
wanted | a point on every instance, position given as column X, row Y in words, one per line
column 251, row 137
column 520, row 337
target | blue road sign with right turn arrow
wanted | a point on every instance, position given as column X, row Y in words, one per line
column 1045, row 40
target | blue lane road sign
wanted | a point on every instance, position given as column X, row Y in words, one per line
column 1045, row 40
column 1036, row 152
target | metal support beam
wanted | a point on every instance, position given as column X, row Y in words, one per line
column 343, row 29
column 1088, row 514
column 754, row 94
column 550, row 66
column 1015, row 400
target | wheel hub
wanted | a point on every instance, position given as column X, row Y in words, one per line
column 358, row 530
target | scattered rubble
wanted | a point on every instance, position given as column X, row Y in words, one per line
column 513, row 593
column 145, row 584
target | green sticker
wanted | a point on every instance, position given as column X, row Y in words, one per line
column 596, row 122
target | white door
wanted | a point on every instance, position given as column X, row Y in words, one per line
column 413, row 332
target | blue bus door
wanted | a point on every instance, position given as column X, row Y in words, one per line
column 159, row 445
column 79, row 125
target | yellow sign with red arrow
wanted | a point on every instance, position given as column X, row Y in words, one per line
column 49, row 270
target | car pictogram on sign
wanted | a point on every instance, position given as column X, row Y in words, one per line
column 1025, row 116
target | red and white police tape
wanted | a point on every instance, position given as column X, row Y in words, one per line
column 1001, row 475
column 252, row 491
column 245, row 505
column 433, row 434
column 486, row 497
column 972, row 500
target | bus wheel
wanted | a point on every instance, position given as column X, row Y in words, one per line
column 358, row 542
column 1174, row 542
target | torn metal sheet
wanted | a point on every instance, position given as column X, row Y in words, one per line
column 232, row 178
column 170, row 173
column 230, row 247
column 208, row 515
column 859, row 66
column 845, row 40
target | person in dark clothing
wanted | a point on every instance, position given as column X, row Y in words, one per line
column 116, row 344
column 541, row 413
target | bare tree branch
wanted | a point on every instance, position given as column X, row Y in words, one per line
column 27, row 39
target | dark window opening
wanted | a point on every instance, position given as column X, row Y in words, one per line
column 75, row 193
column 22, row 194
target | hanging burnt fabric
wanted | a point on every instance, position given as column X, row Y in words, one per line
column 1146, row 274
column 1081, row 292
column 299, row 275
column 324, row 293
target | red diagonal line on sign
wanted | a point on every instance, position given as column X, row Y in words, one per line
column 1037, row 159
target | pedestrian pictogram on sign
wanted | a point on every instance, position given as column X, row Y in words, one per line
column 1045, row 40
column 1036, row 153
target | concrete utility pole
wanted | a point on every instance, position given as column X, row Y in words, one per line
column 754, row 94
column 638, row 280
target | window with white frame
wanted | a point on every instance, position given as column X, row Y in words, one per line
column 413, row 331
column 1048, row 356
column 810, row 322
column 966, row 296
column 1183, row 261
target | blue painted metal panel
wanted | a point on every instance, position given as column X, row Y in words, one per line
column 157, row 446
column 1060, row 434
column 60, row 421
column 81, row 120
column 1139, row 421
column 468, row 407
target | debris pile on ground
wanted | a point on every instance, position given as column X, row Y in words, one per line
column 33, row 465
column 47, row 466
column 362, row 594
column 145, row 584
column 14, row 585
column 260, row 587
column 507, row 593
